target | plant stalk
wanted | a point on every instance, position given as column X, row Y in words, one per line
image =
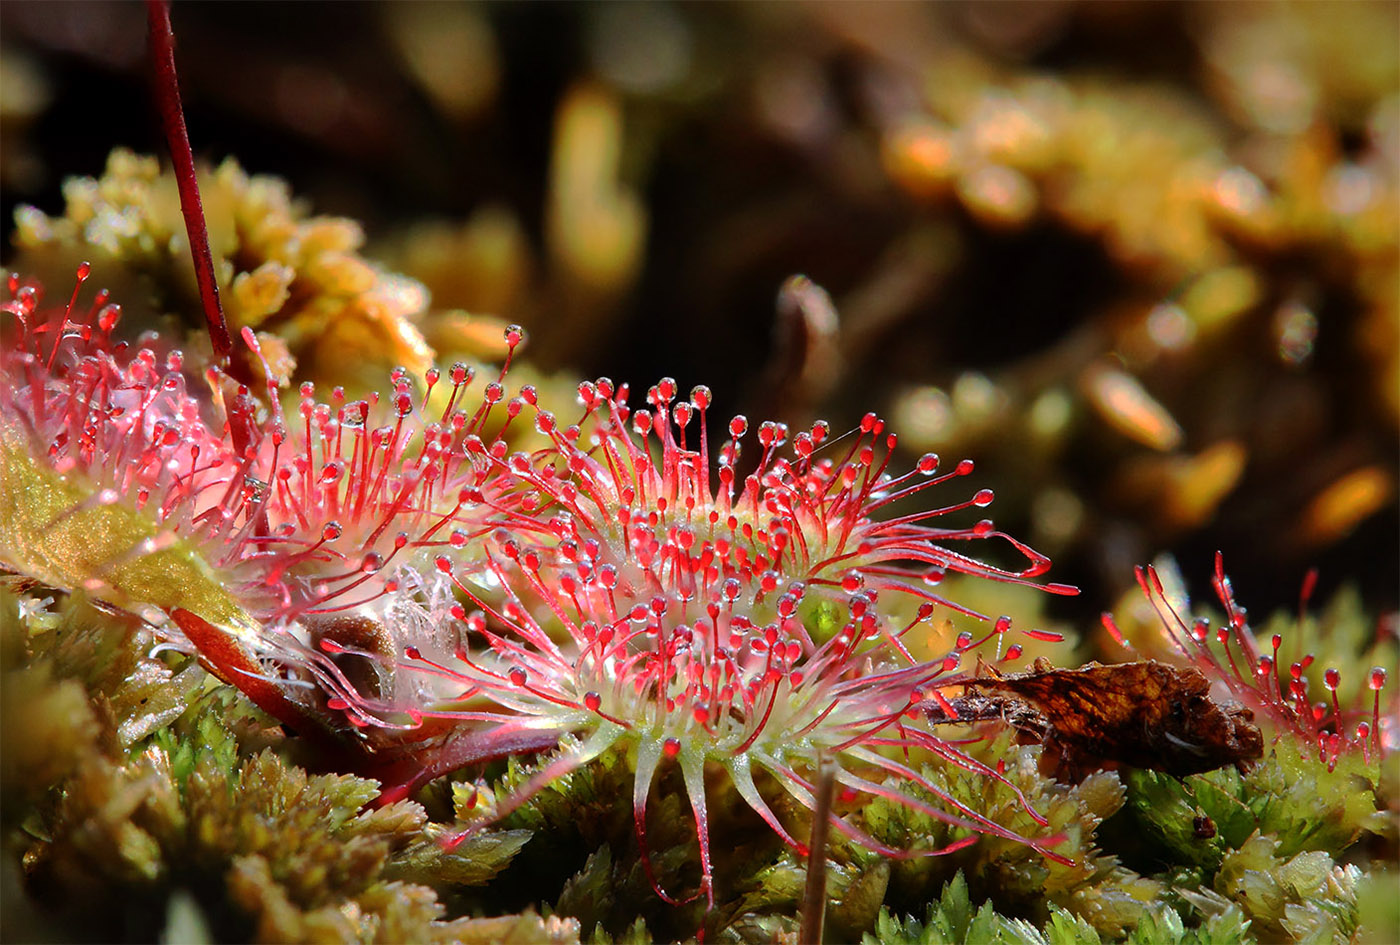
column 177, row 138
column 814, row 898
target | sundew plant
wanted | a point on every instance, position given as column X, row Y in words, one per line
column 334, row 607
column 382, row 568
column 1253, row 671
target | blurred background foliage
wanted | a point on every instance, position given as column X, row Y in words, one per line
column 1137, row 259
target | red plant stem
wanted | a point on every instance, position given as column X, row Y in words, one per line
column 814, row 897
column 172, row 119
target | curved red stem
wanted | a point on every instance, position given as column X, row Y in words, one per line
column 172, row 119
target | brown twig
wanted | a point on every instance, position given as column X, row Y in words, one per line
column 814, row 898
column 172, row 119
